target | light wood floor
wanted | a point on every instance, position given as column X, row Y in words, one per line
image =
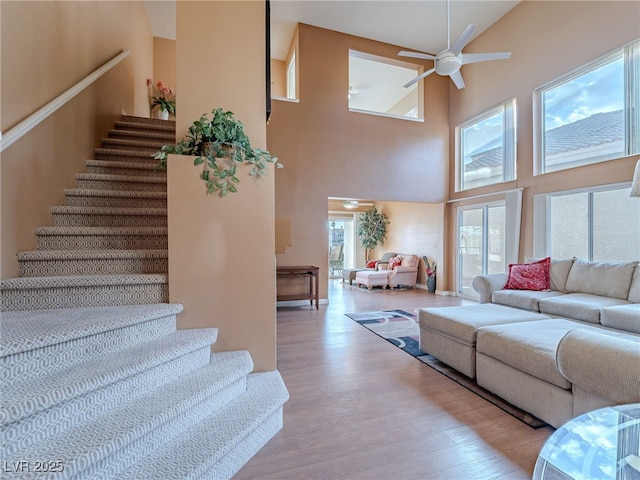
column 361, row 408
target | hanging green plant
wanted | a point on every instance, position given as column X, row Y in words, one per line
column 220, row 145
column 372, row 229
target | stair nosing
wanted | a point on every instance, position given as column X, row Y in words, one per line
column 107, row 177
column 48, row 390
column 108, row 211
column 62, row 281
column 95, row 320
column 36, row 255
column 86, row 192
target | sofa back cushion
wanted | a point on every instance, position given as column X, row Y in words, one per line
column 634, row 291
column 607, row 279
column 409, row 261
column 558, row 272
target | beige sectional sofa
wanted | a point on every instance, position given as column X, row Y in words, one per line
column 580, row 351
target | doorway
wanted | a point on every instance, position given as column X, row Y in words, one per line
column 341, row 245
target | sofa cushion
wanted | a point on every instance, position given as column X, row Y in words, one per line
column 558, row 272
column 529, row 276
column 622, row 317
column 580, row 306
column 462, row 322
column 634, row 291
column 607, row 279
column 529, row 347
column 409, row 261
column 525, row 299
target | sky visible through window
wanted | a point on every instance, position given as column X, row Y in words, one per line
column 597, row 91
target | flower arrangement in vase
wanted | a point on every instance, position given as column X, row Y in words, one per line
column 162, row 96
column 430, row 274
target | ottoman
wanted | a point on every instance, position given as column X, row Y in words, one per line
column 449, row 333
column 349, row 274
column 373, row 278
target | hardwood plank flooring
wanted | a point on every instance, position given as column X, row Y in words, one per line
column 361, row 408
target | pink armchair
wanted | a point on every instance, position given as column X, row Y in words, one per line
column 406, row 273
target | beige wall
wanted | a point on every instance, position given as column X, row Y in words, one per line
column 328, row 151
column 164, row 62
column 221, row 250
column 547, row 39
column 278, row 78
column 47, row 47
column 414, row 228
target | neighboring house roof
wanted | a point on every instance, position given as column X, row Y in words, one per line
column 594, row 130
column 598, row 129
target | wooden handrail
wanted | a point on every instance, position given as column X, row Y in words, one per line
column 22, row 128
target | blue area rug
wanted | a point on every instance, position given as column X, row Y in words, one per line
column 401, row 328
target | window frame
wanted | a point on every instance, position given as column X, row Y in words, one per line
column 509, row 141
column 630, row 53
column 542, row 216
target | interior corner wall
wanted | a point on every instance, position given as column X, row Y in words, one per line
column 538, row 33
column 222, row 250
column 414, row 228
column 47, row 47
column 164, row 62
column 328, row 151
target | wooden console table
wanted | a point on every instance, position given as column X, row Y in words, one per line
column 300, row 272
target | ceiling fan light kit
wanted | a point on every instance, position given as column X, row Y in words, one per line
column 449, row 61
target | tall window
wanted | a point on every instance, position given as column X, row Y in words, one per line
column 590, row 115
column 291, row 76
column 600, row 224
column 481, row 243
column 376, row 86
column 485, row 148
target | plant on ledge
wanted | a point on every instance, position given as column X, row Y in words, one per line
column 221, row 145
column 372, row 229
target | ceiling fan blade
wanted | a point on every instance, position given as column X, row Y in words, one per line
column 457, row 79
column 462, row 40
column 482, row 57
column 419, row 77
column 422, row 56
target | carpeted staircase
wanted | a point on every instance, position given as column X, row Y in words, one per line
column 96, row 382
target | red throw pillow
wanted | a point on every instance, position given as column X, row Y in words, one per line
column 394, row 262
column 372, row 264
column 530, row 276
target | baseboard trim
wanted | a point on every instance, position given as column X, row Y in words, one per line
column 300, row 303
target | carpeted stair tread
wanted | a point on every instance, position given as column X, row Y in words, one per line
column 104, row 211
column 143, row 144
column 90, row 254
column 24, row 283
column 148, row 120
column 137, row 125
column 130, row 432
column 114, row 152
column 79, row 231
column 29, row 330
column 167, row 137
column 204, row 450
column 149, row 168
column 83, row 192
column 64, row 385
column 120, row 178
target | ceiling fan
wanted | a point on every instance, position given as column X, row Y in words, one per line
column 449, row 61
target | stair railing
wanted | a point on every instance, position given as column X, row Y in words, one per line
column 22, row 128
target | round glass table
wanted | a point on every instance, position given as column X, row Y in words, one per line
column 602, row 444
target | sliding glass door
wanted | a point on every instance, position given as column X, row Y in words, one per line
column 481, row 243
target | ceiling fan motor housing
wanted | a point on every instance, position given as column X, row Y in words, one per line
column 447, row 63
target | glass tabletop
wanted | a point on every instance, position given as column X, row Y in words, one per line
column 600, row 445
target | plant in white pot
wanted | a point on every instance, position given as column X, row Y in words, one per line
column 221, row 146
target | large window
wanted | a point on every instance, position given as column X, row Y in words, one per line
column 485, row 148
column 600, row 224
column 376, row 86
column 590, row 115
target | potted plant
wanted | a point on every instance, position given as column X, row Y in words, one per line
column 430, row 274
column 220, row 145
column 163, row 98
column 372, row 229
